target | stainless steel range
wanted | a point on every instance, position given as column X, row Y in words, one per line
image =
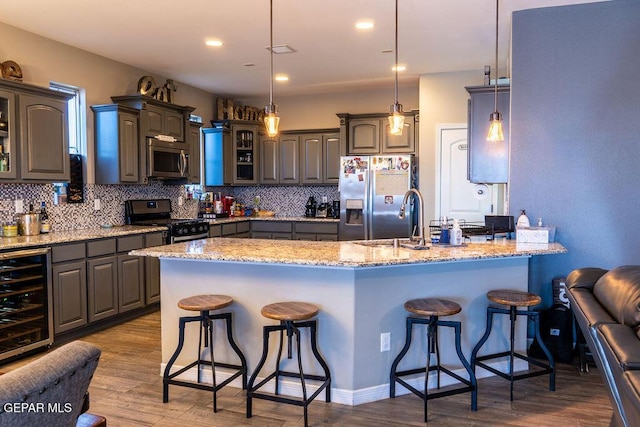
column 157, row 212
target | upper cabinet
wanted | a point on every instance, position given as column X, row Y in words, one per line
column 33, row 133
column 125, row 152
column 231, row 153
column 488, row 161
column 368, row 134
column 158, row 117
column 117, row 146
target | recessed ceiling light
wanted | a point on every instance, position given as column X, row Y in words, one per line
column 387, row 51
column 364, row 24
column 400, row 68
column 249, row 64
column 281, row 78
column 214, row 43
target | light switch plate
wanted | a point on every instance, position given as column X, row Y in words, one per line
column 19, row 206
column 96, row 205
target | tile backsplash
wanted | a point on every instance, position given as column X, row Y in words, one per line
column 284, row 200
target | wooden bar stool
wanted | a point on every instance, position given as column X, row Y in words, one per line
column 292, row 317
column 205, row 304
column 514, row 299
column 429, row 310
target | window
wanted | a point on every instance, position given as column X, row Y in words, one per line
column 77, row 117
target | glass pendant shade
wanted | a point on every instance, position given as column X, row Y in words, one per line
column 396, row 119
column 271, row 120
column 495, row 127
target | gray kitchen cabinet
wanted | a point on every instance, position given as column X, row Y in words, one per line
column 215, row 230
column 158, row 117
column 235, row 229
column 331, row 152
column 320, row 157
column 102, row 279
column 234, row 145
column 269, row 161
column 152, row 269
column 69, row 280
column 488, row 161
column 368, row 134
column 103, row 287
column 194, row 153
column 272, row 230
column 309, row 230
column 37, row 138
column 280, row 159
column 69, row 295
column 117, row 147
column 131, row 282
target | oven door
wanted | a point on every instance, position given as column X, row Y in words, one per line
column 167, row 160
column 178, row 239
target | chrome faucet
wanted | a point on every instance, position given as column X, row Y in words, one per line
column 420, row 213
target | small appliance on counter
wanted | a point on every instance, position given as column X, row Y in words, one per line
column 323, row 210
column 335, row 209
column 311, row 207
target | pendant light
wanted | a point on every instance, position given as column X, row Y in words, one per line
column 396, row 116
column 495, row 118
column 271, row 118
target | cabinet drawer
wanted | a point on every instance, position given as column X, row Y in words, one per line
column 271, row 226
column 101, row 247
column 61, row 253
column 153, row 239
column 215, row 230
column 129, row 243
column 243, row 227
column 228, row 229
column 317, row 227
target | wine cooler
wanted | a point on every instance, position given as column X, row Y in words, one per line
column 26, row 317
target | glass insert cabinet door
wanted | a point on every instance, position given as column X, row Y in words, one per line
column 245, row 143
column 8, row 134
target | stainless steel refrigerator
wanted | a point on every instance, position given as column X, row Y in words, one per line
column 371, row 191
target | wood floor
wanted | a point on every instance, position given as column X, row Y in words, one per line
column 127, row 390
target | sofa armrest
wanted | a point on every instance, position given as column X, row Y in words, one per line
column 584, row 277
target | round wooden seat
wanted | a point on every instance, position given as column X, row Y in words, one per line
column 513, row 298
column 205, row 302
column 289, row 311
column 432, row 307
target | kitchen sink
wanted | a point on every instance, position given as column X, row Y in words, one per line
column 388, row 243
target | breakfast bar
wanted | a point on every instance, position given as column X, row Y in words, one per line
column 360, row 288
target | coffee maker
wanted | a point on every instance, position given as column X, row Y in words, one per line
column 310, row 207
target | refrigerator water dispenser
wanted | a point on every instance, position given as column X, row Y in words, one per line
column 354, row 211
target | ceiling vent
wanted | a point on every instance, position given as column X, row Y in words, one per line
column 282, row 48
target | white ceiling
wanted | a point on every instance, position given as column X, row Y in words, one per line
column 167, row 37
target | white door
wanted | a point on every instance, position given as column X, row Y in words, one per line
column 458, row 198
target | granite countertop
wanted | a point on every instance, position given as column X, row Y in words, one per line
column 57, row 237
column 340, row 254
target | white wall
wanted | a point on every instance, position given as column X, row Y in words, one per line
column 43, row 60
column 443, row 100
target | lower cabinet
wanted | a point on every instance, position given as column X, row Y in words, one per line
column 69, row 281
column 97, row 279
column 272, row 230
column 130, row 282
column 233, row 229
column 103, row 287
column 316, row 231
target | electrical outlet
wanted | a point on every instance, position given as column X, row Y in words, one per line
column 385, row 341
column 324, row 199
column 180, row 200
column 96, row 205
column 19, row 204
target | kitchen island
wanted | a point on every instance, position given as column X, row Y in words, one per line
column 360, row 290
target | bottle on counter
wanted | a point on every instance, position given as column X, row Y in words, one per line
column 45, row 226
column 523, row 220
column 455, row 235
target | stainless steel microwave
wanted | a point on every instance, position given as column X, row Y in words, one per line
column 167, row 160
